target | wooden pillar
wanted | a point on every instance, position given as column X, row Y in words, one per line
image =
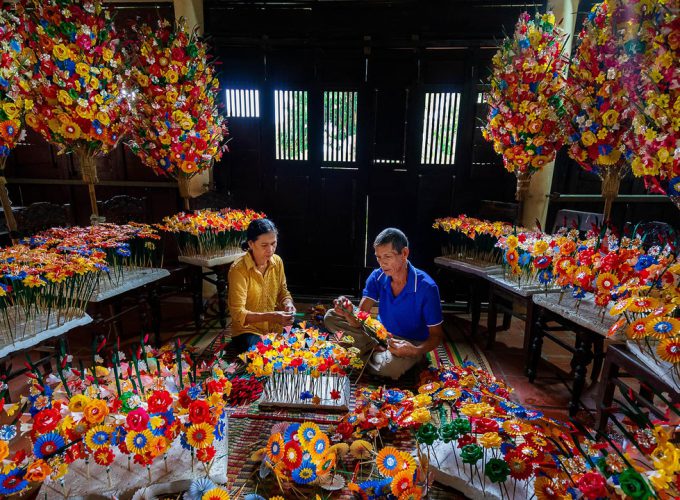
column 192, row 12
column 536, row 203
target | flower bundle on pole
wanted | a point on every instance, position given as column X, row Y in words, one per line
column 12, row 104
column 603, row 109
column 177, row 128
column 655, row 140
column 77, row 81
column 526, row 98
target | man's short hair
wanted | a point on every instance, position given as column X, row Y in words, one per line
column 393, row 236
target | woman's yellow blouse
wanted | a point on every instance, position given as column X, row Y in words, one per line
column 250, row 291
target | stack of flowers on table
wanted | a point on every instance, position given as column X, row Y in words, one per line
column 528, row 258
column 177, row 129
column 471, row 239
column 656, row 134
column 303, row 366
column 603, row 109
column 41, row 289
column 125, row 412
column 127, row 248
column 526, row 100
column 210, row 233
column 77, row 81
column 647, row 307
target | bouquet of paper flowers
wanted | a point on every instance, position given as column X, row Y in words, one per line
column 526, row 100
column 178, row 130
column 42, row 289
column 301, row 455
column 603, row 108
column 303, row 366
column 77, row 81
column 656, row 135
column 373, row 328
column 210, row 233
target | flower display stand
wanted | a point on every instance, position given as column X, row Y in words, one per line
column 130, row 278
column 448, row 467
column 663, row 369
column 217, row 265
column 284, row 391
column 81, row 484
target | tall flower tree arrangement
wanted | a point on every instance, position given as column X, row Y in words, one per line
column 178, row 130
column 606, row 55
column 526, row 101
column 655, row 140
column 77, row 82
column 12, row 104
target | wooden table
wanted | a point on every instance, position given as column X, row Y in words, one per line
column 219, row 266
column 477, row 275
column 585, row 321
column 135, row 280
column 621, row 363
column 507, row 297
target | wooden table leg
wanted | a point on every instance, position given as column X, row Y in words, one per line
column 606, row 396
column 535, row 346
column 475, row 307
column 583, row 357
column 492, row 320
column 528, row 324
column 598, row 348
column 155, row 304
column 221, row 273
column 197, row 294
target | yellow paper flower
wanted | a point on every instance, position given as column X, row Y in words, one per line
column 490, row 440
column 216, row 493
column 361, row 449
column 200, row 436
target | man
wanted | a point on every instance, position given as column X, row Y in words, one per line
column 408, row 307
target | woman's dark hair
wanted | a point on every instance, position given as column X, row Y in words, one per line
column 257, row 228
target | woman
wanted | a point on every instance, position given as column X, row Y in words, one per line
column 259, row 300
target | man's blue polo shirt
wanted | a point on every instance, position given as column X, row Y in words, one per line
column 409, row 314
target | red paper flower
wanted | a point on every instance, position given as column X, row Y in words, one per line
column 137, row 419
column 199, row 411
column 159, row 401
column 46, row 420
column 593, row 485
column 205, row 455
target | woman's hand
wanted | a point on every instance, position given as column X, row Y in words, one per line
column 285, row 318
column 402, row 348
column 289, row 307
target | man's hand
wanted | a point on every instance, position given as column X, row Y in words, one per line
column 283, row 317
column 289, row 307
column 343, row 307
column 402, row 348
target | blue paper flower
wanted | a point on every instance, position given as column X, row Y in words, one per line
column 48, row 444
column 12, row 482
column 305, row 395
column 304, row 474
column 199, row 487
column 8, row 432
